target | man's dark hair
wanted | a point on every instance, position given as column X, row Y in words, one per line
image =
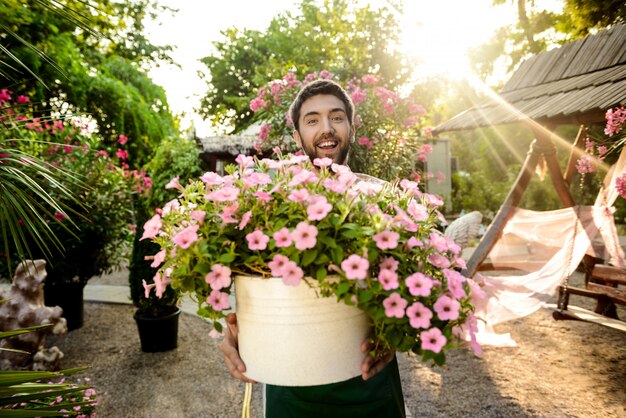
column 315, row 88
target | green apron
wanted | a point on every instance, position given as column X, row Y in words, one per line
column 379, row 397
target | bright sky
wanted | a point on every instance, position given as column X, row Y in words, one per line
column 436, row 32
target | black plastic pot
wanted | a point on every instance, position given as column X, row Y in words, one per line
column 69, row 296
column 158, row 334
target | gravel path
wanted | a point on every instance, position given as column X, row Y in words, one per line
column 559, row 369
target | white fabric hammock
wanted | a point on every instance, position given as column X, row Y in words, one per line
column 549, row 246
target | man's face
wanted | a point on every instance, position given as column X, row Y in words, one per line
column 325, row 130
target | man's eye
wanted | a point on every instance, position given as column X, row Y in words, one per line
column 337, row 118
column 311, row 121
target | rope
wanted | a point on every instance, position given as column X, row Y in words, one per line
column 247, row 401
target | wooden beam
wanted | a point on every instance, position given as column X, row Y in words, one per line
column 577, row 150
column 506, row 210
column 574, row 312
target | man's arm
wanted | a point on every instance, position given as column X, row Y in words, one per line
column 370, row 365
column 230, row 348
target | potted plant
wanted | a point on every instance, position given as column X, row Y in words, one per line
column 157, row 317
column 369, row 245
column 91, row 218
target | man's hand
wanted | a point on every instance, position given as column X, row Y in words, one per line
column 230, row 348
column 370, row 365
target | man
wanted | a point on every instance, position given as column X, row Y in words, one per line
column 323, row 118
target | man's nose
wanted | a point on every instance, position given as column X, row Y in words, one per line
column 327, row 127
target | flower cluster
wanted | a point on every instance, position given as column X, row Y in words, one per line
column 294, row 219
column 387, row 125
column 102, row 183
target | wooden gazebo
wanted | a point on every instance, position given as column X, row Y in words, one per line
column 574, row 84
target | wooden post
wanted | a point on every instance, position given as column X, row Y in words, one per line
column 576, row 152
column 506, row 210
column 547, row 148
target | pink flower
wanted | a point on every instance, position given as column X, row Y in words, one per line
column 433, row 340
column 417, row 211
column 227, row 214
column 319, row 210
column 186, row 237
column 244, row 160
column 388, row 279
column 23, row 99
column 419, row 315
column 335, row 186
column 365, row 141
column 355, row 267
column 414, row 242
column 394, row 306
column 439, row 261
column 257, row 240
column 158, row 259
column 263, row 196
column 438, row 242
column 245, row 219
column 386, row 240
column 211, row 178
column 219, row 277
column 59, row 216
column 304, row 236
column 160, row 284
column 218, row 300
column 174, row 184
column 322, row 162
column 277, row 265
column 257, row 104
column 447, row 308
column 292, row 274
column 419, row 284
column 225, row 194
column 455, row 282
column 282, row 238
column 121, row 154
column 152, row 227
column 122, row 139
column 298, row 195
column 358, row 96
column 620, row 185
column 255, row 179
column 146, row 288
column 197, row 215
column 389, row 263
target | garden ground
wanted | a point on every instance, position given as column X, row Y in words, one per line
column 558, row 369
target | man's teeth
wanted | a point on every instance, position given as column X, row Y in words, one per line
column 326, row 144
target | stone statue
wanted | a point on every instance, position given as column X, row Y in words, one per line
column 24, row 307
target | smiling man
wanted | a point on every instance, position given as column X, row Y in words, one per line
column 323, row 118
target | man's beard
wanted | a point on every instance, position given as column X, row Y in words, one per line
column 341, row 156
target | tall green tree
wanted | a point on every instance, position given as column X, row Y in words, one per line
column 89, row 57
column 337, row 36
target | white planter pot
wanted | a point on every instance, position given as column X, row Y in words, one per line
column 289, row 336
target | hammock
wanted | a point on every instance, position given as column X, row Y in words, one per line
column 548, row 246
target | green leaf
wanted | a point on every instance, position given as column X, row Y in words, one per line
column 202, row 268
column 365, row 296
column 342, row 288
column 308, row 257
column 321, row 273
column 227, row 258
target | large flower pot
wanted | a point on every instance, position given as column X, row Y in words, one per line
column 69, row 296
column 158, row 334
column 290, row 336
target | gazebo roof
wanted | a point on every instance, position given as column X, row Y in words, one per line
column 575, row 83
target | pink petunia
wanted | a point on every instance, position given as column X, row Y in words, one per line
column 417, row 211
column 152, row 227
column 292, row 274
column 257, row 240
column 389, row 263
column 244, row 160
column 282, row 238
column 245, row 219
column 439, row 261
column 219, row 277
column 304, row 236
column 395, row 306
column 218, row 300
column 121, row 154
column 197, row 215
column 318, row 210
column 146, row 288
column 227, row 214
column 160, row 284
column 225, row 194
column 419, row 315
column 335, row 186
column 264, row 196
column 186, row 237
column 174, row 184
column 419, row 284
column 455, row 282
column 158, row 259
column 277, row 265
column 388, row 279
column 386, row 240
column 299, row 195
column 355, row 267
column 414, row 242
column 433, row 340
column 211, row 178
column 59, row 216
column 122, row 139
column 322, row 162
column 447, row 308
column 438, row 242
